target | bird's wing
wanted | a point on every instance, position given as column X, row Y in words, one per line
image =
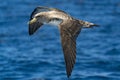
column 69, row 32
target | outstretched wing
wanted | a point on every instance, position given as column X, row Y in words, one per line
column 69, row 32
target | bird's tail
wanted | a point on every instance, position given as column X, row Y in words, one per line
column 86, row 24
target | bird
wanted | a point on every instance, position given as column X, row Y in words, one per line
column 69, row 27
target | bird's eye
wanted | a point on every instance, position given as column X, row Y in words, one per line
column 37, row 16
column 55, row 19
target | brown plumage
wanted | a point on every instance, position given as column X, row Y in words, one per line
column 68, row 26
column 68, row 39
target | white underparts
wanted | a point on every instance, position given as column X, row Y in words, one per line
column 54, row 22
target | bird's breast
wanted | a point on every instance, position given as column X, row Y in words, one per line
column 54, row 22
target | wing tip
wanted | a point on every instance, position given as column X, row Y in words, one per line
column 68, row 76
column 30, row 33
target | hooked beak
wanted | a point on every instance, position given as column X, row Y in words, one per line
column 32, row 21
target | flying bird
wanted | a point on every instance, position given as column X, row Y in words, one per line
column 69, row 30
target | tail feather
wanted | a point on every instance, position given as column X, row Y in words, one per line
column 87, row 24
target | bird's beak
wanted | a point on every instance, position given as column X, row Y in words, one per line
column 32, row 21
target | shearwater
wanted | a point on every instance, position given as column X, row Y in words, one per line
column 69, row 30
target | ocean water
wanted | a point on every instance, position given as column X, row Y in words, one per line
column 40, row 57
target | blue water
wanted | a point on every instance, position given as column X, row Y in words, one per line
column 40, row 57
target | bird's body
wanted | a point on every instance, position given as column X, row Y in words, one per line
column 69, row 30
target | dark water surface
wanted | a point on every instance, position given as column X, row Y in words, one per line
column 40, row 57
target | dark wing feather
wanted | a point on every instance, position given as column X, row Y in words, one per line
column 69, row 32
